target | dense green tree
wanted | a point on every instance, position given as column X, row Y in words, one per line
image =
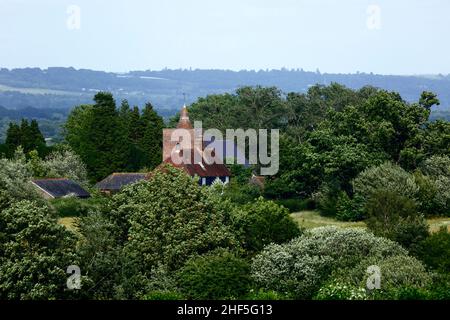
column 434, row 251
column 15, row 176
column 263, row 222
column 395, row 217
column 35, row 253
column 27, row 135
column 13, row 137
column 216, row 275
column 98, row 135
column 151, row 141
column 428, row 99
column 107, row 136
column 250, row 107
column 110, row 139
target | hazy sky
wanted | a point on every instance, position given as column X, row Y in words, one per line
column 380, row 36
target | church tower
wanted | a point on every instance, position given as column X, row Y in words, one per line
column 190, row 139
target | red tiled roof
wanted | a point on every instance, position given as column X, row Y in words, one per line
column 202, row 169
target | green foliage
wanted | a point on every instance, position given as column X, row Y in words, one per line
column 388, row 177
column 250, row 107
column 15, row 179
column 114, row 140
column 349, row 209
column 401, row 278
column 296, row 205
column 164, row 222
column 215, row 275
column 163, row 295
column 241, row 193
column 434, row 251
column 395, row 217
column 428, row 187
column 34, row 253
column 264, row 295
column 428, row 99
column 63, row 162
column 327, row 199
column 263, row 222
column 100, row 256
column 336, row 290
column 299, row 268
column 151, row 142
column 27, row 135
column 75, row 207
column 179, row 216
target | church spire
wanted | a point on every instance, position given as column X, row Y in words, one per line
column 184, row 122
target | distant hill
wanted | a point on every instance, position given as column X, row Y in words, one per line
column 63, row 88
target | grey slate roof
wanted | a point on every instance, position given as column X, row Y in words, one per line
column 116, row 181
column 61, row 187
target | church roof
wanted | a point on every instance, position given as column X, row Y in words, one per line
column 201, row 169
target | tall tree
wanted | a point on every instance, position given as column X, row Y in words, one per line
column 151, row 142
column 13, row 138
column 108, row 137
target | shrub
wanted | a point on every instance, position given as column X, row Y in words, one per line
column 298, row 269
column 216, row 275
column 401, row 277
column 349, row 209
column 75, row 207
column 241, row 194
column 440, row 288
column 263, row 222
column 434, row 251
column 296, row 204
column 395, row 217
column 397, row 272
column 334, row 290
column 388, row 177
column 15, row 179
column 327, row 199
column 264, row 295
column 436, row 166
column 163, row 295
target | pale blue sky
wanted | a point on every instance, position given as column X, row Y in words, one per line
column 122, row 35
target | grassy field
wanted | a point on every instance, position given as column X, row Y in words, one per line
column 312, row 219
column 437, row 223
column 308, row 220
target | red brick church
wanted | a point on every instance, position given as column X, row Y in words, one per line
column 193, row 145
column 197, row 166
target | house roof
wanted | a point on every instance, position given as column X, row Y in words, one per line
column 61, row 187
column 201, row 169
column 116, row 181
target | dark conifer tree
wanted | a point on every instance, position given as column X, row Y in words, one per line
column 151, row 142
column 108, row 149
column 13, row 138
